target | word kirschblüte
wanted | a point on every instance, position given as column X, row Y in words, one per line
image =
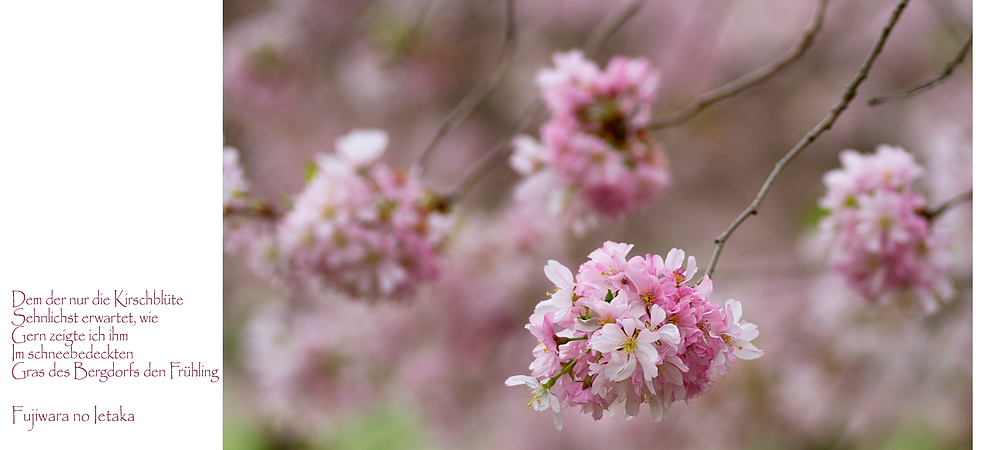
column 626, row 332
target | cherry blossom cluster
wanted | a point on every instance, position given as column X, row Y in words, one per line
column 361, row 227
column 626, row 332
column 597, row 148
column 878, row 234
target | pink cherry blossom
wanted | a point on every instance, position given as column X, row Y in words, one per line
column 546, row 352
column 877, row 236
column 627, row 345
column 634, row 334
column 562, row 300
column 542, row 397
column 737, row 336
column 597, row 143
column 360, row 227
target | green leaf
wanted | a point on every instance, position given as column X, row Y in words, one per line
column 310, row 171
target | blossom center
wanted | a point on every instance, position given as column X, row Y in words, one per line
column 536, row 395
column 648, row 296
column 629, row 345
column 730, row 341
column 610, row 273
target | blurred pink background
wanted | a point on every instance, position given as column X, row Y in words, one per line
column 836, row 373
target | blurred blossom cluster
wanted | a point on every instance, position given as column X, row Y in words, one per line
column 880, row 238
column 305, row 368
column 597, row 152
column 359, row 227
column 360, row 286
column 630, row 332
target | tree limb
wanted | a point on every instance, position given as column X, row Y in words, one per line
column 824, row 125
column 948, row 69
column 475, row 96
column 749, row 80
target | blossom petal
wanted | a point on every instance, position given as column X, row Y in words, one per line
column 518, row 380
column 749, row 351
column 559, row 274
column 734, row 310
column 362, row 147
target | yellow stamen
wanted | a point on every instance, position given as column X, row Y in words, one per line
column 648, row 296
column 730, row 341
column 536, row 396
column 629, row 345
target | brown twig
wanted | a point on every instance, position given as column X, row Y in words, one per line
column 948, row 70
column 493, row 156
column 599, row 38
column 749, row 80
column 475, row 96
column 932, row 214
column 259, row 209
column 827, row 122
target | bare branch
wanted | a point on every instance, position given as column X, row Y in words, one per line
column 494, row 156
column 948, row 69
column 827, row 122
column 599, row 38
column 475, row 96
column 934, row 213
column 258, row 208
column 749, row 80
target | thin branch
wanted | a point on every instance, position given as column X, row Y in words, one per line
column 259, row 209
column 495, row 154
column 948, row 69
column 475, row 96
column 499, row 151
column 932, row 214
column 749, row 80
column 825, row 124
column 599, row 38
